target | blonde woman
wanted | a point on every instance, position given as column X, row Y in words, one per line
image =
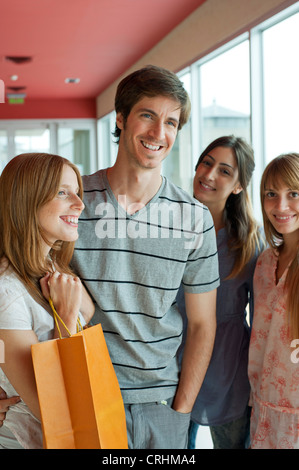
column 273, row 366
column 40, row 202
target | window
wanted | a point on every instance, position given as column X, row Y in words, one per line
column 74, row 144
column 31, row 140
column 107, row 148
column 248, row 88
column 74, row 139
column 225, row 95
column 178, row 165
column 281, row 92
column 219, row 88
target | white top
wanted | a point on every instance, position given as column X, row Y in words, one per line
column 19, row 311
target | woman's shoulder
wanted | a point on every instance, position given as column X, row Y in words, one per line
column 15, row 302
column 18, row 309
column 11, row 287
column 266, row 257
column 7, row 274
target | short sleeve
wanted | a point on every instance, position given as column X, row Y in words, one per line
column 202, row 269
column 14, row 310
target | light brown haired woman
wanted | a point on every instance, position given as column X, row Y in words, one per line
column 40, row 203
column 273, row 362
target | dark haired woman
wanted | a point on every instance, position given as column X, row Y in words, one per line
column 223, row 173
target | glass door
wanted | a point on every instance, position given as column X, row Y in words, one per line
column 72, row 139
column 14, row 140
column 31, row 140
column 74, row 144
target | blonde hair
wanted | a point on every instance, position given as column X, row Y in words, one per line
column 284, row 168
column 28, row 182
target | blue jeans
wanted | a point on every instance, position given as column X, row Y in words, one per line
column 193, row 428
column 233, row 435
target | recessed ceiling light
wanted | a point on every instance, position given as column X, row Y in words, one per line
column 16, row 89
column 14, row 78
column 72, row 80
column 18, row 59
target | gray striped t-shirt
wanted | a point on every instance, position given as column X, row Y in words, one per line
column 133, row 266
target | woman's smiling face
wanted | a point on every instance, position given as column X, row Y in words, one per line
column 281, row 205
column 216, row 177
column 58, row 218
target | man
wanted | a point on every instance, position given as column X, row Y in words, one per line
column 134, row 251
column 140, row 236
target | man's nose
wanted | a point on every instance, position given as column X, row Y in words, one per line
column 157, row 130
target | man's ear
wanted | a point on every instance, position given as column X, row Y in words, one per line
column 237, row 189
column 120, row 120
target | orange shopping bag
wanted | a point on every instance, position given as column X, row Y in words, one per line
column 79, row 395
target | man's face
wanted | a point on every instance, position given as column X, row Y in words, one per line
column 148, row 134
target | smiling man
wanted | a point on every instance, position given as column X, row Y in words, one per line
column 134, row 279
column 149, row 131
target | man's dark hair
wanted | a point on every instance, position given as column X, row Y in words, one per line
column 150, row 81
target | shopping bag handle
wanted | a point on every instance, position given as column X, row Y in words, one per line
column 57, row 317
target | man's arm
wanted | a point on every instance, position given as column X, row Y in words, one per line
column 201, row 314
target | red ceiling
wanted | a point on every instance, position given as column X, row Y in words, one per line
column 94, row 40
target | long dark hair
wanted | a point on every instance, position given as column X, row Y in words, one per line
column 241, row 226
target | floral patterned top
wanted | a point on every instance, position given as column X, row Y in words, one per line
column 273, row 370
